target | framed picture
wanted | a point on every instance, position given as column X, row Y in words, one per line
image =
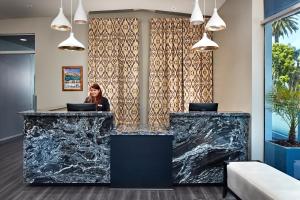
column 72, row 78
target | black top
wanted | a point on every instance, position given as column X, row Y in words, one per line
column 104, row 106
column 203, row 107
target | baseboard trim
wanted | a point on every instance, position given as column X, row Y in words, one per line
column 10, row 138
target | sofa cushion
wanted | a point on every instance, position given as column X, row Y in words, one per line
column 255, row 180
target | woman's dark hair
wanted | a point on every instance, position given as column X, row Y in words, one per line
column 96, row 100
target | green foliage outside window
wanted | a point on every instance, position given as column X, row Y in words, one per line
column 285, row 97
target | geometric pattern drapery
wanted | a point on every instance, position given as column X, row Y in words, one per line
column 165, row 81
column 197, row 67
column 113, row 64
column 178, row 74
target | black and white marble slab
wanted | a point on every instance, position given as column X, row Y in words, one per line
column 67, row 147
column 203, row 141
column 74, row 147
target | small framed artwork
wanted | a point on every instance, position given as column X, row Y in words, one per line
column 72, row 78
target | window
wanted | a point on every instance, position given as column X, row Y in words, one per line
column 282, row 94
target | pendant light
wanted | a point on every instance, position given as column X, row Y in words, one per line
column 80, row 14
column 197, row 16
column 205, row 44
column 60, row 22
column 215, row 23
column 71, row 44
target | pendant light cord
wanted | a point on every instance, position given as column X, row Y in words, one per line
column 71, row 16
column 61, row 3
column 204, row 10
column 204, row 13
column 204, row 18
column 215, row 3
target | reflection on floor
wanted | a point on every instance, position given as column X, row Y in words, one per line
column 12, row 187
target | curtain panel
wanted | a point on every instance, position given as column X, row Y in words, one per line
column 113, row 63
column 178, row 74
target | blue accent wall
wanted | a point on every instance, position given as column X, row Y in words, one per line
column 274, row 6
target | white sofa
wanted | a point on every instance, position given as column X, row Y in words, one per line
column 258, row 181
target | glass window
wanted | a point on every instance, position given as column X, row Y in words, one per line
column 17, row 43
column 282, row 94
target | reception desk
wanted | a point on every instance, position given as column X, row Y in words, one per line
column 67, row 147
column 74, row 147
column 203, row 141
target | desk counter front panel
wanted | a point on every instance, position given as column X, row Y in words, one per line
column 74, row 147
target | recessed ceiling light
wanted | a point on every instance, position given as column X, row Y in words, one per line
column 23, row 39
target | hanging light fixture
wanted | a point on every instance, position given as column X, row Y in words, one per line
column 197, row 16
column 215, row 23
column 71, row 44
column 205, row 44
column 80, row 14
column 60, row 22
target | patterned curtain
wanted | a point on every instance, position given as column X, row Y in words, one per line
column 166, row 70
column 197, row 67
column 113, row 63
column 178, row 74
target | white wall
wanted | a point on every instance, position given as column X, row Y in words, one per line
column 239, row 67
column 49, row 59
column 232, row 61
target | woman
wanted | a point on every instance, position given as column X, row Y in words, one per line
column 95, row 96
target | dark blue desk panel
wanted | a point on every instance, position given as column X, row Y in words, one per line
column 141, row 161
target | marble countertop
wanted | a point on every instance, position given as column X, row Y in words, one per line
column 197, row 114
column 65, row 113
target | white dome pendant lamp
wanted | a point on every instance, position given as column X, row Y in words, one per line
column 205, row 44
column 80, row 14
column 71, row 44
column 215, row 23
column 60, row 22
column 197, row 16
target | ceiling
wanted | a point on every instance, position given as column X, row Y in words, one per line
column 49, row 8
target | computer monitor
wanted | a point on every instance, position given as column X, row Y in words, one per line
column 203, row 107
column 81, row 107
